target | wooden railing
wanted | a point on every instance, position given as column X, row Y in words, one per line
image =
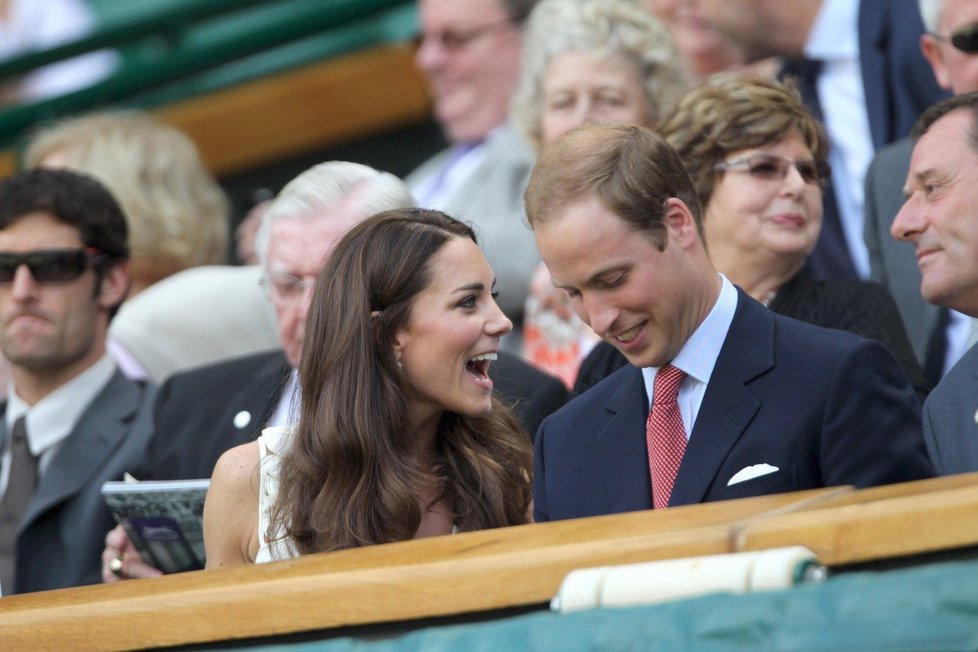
column 482, row 571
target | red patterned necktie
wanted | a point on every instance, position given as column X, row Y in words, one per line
column 665, row 434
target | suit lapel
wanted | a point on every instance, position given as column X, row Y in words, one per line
column 95, row 437
column 277, row 373
column 622, row 459
column 729, row 405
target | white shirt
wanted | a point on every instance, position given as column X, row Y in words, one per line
column 960, row 338
column 699, row 355
column 834, row 41
column 50, row 420
column 287, row 410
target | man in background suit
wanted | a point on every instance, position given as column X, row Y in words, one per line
column 759, row 403
column 861, row 72
column 470, row 53
column 202, row 413
column 939, row 335
column 940, row 218
column 72, row 420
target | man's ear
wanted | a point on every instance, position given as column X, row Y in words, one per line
column 679, row 222
column 115, row 285
column 935, row 57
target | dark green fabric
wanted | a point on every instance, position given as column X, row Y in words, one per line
column 922, row 609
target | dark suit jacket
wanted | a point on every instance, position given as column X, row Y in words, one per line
column 863, row 308
column 825, row 407
column 897, row 80
column 195, row 413
column 531, row 393
column 859, row 307
column 62, row 534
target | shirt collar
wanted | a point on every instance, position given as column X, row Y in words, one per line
column 289, row 402
column 51, row 419
column 699, row 354
column 834, row 35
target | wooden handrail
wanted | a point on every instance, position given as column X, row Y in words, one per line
column 488, row 570
column 306, row 110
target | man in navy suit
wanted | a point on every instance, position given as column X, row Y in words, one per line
column 768, row 404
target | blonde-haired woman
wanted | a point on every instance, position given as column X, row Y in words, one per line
column 177, row 213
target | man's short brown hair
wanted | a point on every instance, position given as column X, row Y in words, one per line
column 628, row 168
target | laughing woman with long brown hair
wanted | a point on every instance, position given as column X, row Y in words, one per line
column 399, row 435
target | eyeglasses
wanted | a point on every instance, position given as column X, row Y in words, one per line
column 285, row 287
column 456, row 39
column 50, row 265
column 965, row 39
column 775, row 168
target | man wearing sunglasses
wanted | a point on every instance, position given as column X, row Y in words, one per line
column 72, row 420
column 939, row 335
column 470, row 54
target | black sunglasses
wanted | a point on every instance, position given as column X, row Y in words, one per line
column 965, row 39
column 50, row 265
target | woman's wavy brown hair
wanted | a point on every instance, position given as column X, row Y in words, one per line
column 731, row 112
column 349, row 478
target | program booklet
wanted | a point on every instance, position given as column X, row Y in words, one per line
column 164, row 520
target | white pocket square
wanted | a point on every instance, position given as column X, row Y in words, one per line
column 751, row 472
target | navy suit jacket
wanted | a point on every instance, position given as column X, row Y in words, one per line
column 825, row 407
column 898, row 85
column 897, row 80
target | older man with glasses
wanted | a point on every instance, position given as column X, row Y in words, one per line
column 470, row 53
column 72, row 420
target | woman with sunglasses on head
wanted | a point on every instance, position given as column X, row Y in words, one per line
column 757, row 159
column 399, row 435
